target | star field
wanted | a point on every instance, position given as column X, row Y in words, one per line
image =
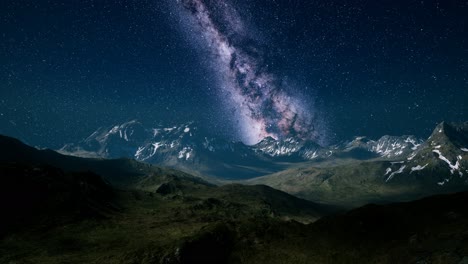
column 361, row 68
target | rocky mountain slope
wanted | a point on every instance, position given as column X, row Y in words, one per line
column 351, row 173
column 188, row 148
column 438, row 165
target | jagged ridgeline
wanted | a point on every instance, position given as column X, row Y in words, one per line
column 392, row 168
column 437, row 165
column 189, row 148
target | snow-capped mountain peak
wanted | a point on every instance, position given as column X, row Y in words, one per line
column 186, row 146
column 185, row 141
column 441, row 155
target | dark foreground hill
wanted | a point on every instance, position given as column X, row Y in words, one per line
column 165, row 228
column 431, row 230
column 47, row 195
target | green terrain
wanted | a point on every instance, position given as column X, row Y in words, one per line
column 424, row 172
column 60, row 209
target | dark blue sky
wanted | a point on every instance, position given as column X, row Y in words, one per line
column 68, row 67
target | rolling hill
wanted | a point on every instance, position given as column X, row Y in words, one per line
column 438, row 165
column 58, row 209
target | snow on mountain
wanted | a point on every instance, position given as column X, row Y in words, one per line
column 387, row 146
column 185, row 142
column 400, row 170
column 441, row 155
column 185, row 146
column 289, row 147
column 133, row 140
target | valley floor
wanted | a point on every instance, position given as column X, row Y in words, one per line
column 151, row 228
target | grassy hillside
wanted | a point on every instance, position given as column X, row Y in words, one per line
column 155, row 215
column 68, row 218
column 240, row 225
column 438, row 166
column 431, row 230
column 357, row 184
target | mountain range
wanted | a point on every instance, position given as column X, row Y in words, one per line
column 191, row 149
column 437, row 165
column 352, row 173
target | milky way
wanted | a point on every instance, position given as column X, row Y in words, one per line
column 263, row 105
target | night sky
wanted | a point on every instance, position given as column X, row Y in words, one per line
column 318, row 70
